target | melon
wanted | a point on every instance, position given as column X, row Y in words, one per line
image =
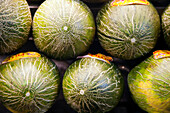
column 128, row 31
column 15, row 24
column 96, row 1
column 28, row 85
column 93, row 86
column 149, row 83
column 166, row 25
column 63, row 29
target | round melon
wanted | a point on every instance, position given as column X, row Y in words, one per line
column 93, row 86
column 128, row 31
column 63, row 29
column 29, row 85
column 149, row 84
column 15, row 24
column 166, row 25
column 96, row 1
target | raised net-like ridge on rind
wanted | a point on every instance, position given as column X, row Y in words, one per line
column 130, row 31
column 91, row 85
column 166, row 25
column 63, row 29
column 15, row 24
column 29, row 85
column 149, row 83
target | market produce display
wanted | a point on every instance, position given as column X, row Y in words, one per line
column 29, row 83
column 15, row 24
column 128, row 30
column 63, row 29
column 92, row 85
column 166, row 25
column 61, row 82
column 149, row 83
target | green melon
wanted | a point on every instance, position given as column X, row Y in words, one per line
column 63, row 29
column 15, row 24
column 96, row 1
column 149, row 83
column 128, row 31
column 91, row 85
column 166, row 25
column 29, row 85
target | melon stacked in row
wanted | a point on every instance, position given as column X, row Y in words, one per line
column 65, row 29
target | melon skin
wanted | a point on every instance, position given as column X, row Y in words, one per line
column 15, row 24
column 149, row 85
column 166, row 25
column 92, row 86
column 128, row 32
column 63, row 29
column 29, row 85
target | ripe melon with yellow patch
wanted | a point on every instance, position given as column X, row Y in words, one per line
column 149, row 83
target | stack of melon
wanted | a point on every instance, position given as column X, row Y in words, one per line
column 64, row 30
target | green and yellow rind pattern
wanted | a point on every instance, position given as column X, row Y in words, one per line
column 29, row 85
column 93, row 86
column 128, row 32
column 149, row 84
column 63, row 29
column 15, row 24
